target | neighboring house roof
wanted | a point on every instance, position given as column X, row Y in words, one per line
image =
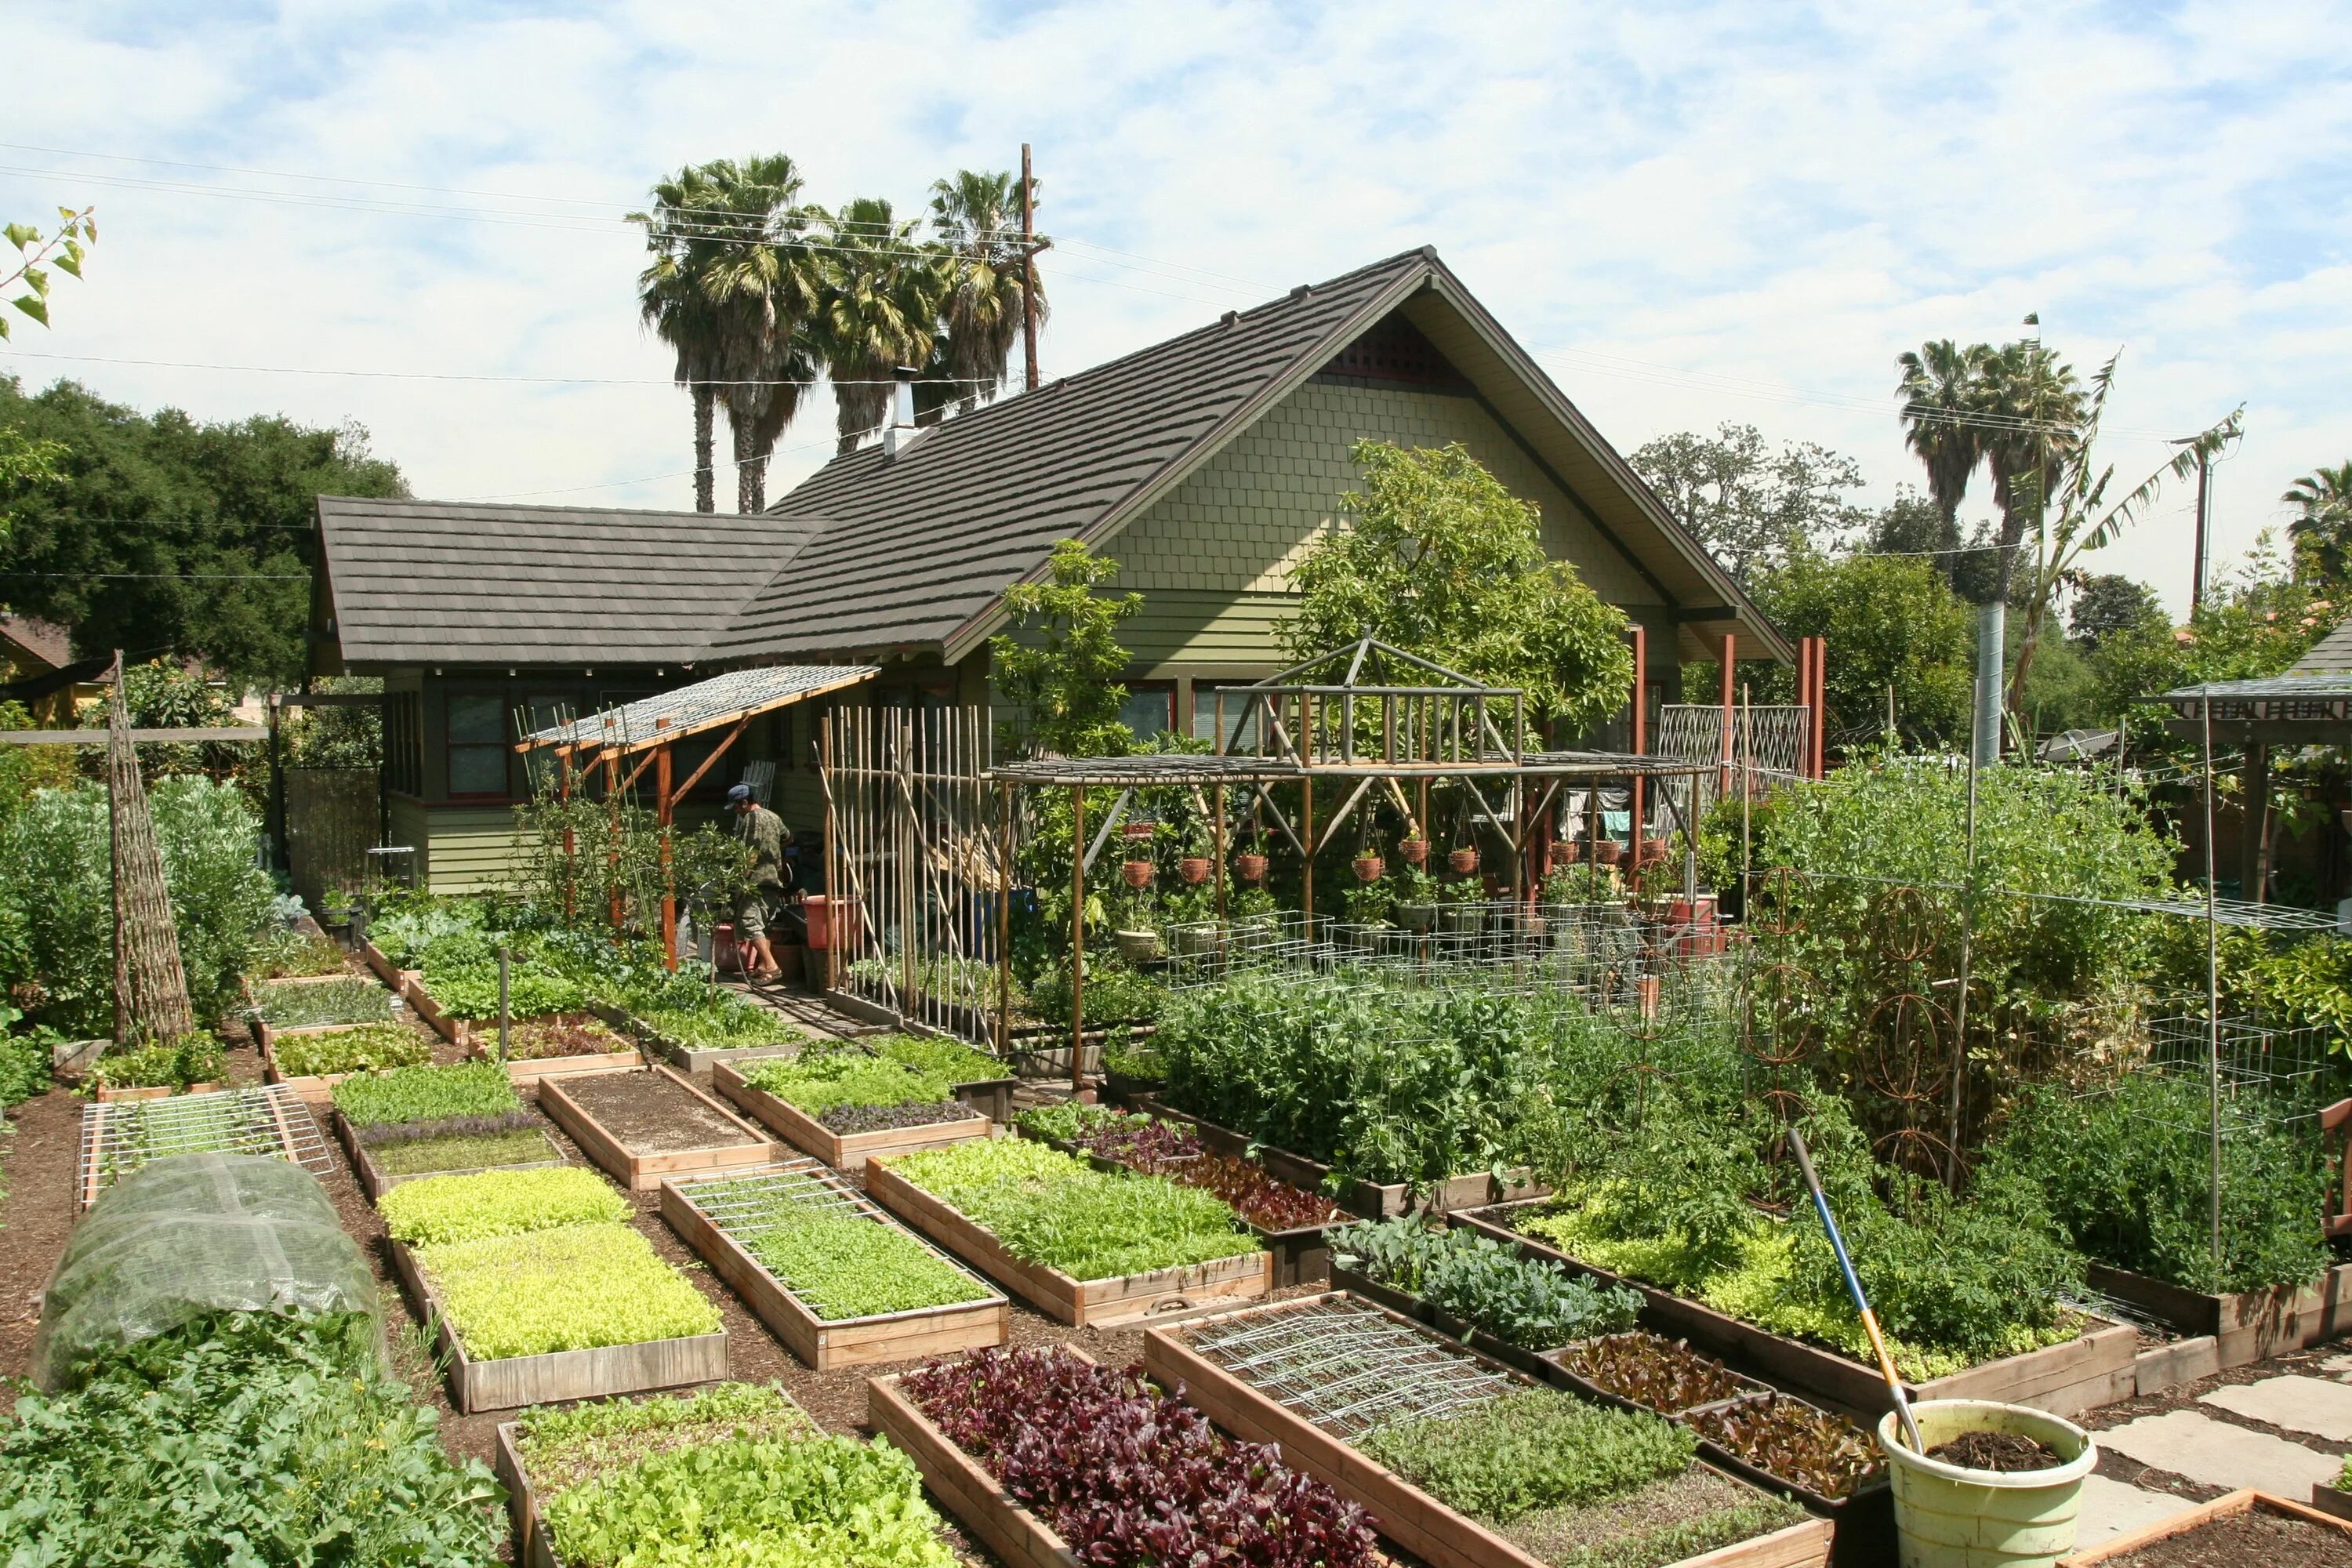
column 38, row 641
column 420, row 581
column 923, row 545
column 2323, row 675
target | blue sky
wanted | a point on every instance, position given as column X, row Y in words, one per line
column 1694, row 213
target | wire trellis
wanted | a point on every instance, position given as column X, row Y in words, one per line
column 1345, row 1365
column 119, row 1136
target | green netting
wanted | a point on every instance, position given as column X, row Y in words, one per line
column 184, row 1238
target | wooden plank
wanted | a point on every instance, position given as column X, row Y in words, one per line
column 2248, row 1325
column 2243, row 1501
column 842, row 1151
column 525, row 1071
column 511, row 1382
column 643, row 1172
column 1018, row 1537
column 1401, row 1512
column 532, row 1548
column 2170, row 1366
column 1131, row 1298
column 828, row 1344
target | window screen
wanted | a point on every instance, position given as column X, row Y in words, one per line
column 478, row 743
column 1149, row 709
column 1238, row 716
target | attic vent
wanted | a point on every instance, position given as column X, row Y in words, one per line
column 1229, row 318
column 1301, row 291
column 1395, row 351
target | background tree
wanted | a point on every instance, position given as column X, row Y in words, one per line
column 162, row 536
column 879, row 309
column 2106, row 602
column 1060, row 661
column 1890, row 622
column 763, row 284
column 1938, row 388
column 36, row 254
column 976, row 219
column 1914, row 524
column 2322, row 529
column 674, row 300
column 1437, row 558
column 1749, row 505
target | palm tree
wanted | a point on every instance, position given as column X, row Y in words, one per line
column 765, row 286
column 670, row 294
column 977, row 219
column 1939, row 393
column 878, row 309
column 2322, row 529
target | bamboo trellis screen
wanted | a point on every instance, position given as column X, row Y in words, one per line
column 1772, row 752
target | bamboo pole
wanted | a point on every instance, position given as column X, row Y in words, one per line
column 1077, row 939
column 668, row 875
column 832, row 854
column 1005, row 922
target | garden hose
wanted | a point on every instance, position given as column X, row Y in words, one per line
column 1853, row 1284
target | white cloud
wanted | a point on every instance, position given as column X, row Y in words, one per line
column 1749, row 210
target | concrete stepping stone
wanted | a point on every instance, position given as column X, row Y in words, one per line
column 2340, row 1365
column 2110, row 1509
column 2313, row 1404
column 2216, row 1454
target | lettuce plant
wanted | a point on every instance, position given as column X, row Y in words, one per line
column 577, row 1287
column 427, row 1094
column 498, row 1203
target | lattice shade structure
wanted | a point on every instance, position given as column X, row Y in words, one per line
column 722, row 699
column 151, row 988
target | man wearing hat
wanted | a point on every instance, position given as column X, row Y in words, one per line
column 763, row 831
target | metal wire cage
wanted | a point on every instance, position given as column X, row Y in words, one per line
column 1345, row 1365
column 119, row 1136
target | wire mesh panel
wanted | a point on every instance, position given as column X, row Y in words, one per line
column 119, row 1136
column 1345, row 1365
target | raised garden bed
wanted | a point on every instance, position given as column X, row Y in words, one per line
column 740, row 1224
column 470, row 1109
column 668, row 1038
column 2247, row 1527
column 2092, row 1369
column 518, row 1148
column 119, row 1136
column 642, row 1124
column 301, row 1058
column 1109, row 1298
column 1367, row 1200
column 2221, row 1331
column 556, row 1045
column 843, row 1150
column 1330, row 1378
column 2331, row 1500
column 1212, row 1499
column 501, row 1262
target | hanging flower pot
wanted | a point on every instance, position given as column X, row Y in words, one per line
column 1251, row 866
column 1194, row 869
column 1137, row 872
column 1413, row 851
column 1462, row 861
column 1608, row 852
column 1135, row 829
column 1369, row 867
column 1567, row 851
column 1653, row 849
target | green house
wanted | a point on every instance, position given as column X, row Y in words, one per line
column 1204, row 464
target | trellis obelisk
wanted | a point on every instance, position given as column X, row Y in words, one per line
column 151, row 989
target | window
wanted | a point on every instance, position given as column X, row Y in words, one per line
column 404, row 744
column 544, row 713
column 1148, row 709
column 478, row 743
column 1239, row 716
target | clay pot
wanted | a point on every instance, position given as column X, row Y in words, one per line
column 1252, row 868
column 1194, row 869
column 1608, row 852
column 1413, row 851
column 1462, row 861
column 1137, row 872
column 1369, row 867
column 1653, row 849
column 1567, row 851
column 1134, row 830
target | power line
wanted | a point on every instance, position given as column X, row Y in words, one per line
column 465, row 375
column 172, row 576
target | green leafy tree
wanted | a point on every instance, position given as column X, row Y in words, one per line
column 164, row 536
column 2322, row 528
column 38, row 254
column 26, row 465
column 1751, row 506
column 1891, row 622
column 1060, row 662
column 1437, row 558
column 2107, row 603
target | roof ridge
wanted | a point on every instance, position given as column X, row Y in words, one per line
column 416, row 503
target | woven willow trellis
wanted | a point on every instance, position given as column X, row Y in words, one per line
column 151, row 989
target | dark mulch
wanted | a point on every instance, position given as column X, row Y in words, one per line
column 1996, row 1451
column 2251, row 1540
column 874, row 1118
column 649, row 1113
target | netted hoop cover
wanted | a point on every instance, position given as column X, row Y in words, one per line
column 187, row 1236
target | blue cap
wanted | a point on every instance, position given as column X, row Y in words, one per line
column 739, row 795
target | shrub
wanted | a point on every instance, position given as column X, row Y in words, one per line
column 577, row 1287
column 497, row 1203
column 427, row 1094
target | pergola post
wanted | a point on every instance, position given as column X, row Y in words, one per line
column 1730, row 652
column 2253, row 839
column 669, row 882
column 1004, row 924
column 1218, row 848
column 1077, row 939
column 613, row 843
column 1640, row 739
column 1307, row 850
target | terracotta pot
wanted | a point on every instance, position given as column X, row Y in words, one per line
column 1413, row 851
column 1137, row 872
column 1567, row 851
column 1251, row 866
column 1194, row 869
column 1654, row 848
column 1464, row 861
column 1369, row 867
column 1608, row 852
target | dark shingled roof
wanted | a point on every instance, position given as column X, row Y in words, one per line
column 925, row 542
column 427, row 582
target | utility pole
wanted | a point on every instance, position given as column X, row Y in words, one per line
column 2197, row 582
column 1028, row 276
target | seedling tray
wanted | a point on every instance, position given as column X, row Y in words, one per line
column 826, row 1344
column 842, row 1151
column 1367, row 1200
column 375, row 1182
column 2245, row 1500
column 2219, row 1331
column 119, row 1136
column 516, row 1381
column 2094, row 1368
column 1123, row 1299
column 1401, row 1510
column 1018, row 1538
column 639, row 1168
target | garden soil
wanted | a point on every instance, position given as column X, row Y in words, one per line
column 2247, row 1540
column 647, row 1113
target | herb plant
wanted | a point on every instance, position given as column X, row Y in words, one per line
column 305, row 1004
column 1125, row 1474
column 563, row 1445
column 427, row 1094
column 497, row 1203
column 370, row 1047
column 1535, row 1449
column 577, row 1287
column 1531, row 1304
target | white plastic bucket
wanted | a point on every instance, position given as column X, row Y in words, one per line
column 1949, row 1517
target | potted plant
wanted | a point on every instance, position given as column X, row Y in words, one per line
column 1607, row 852
column 1136, row 873
column 1464, row 861
column 1366, row 907
column 1137, row 828
column 1369, row 866
column 1653, row 849
column 1412, row 849
column 1567, row 851
column 1415, row 893
column 1464, row 907
column 1250, row 864
column 1135, row 924
column 1194, row 869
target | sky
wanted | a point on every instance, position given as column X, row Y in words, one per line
column 1691, row 214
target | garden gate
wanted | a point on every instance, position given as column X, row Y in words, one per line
column 331, row 822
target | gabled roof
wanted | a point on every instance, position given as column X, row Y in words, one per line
column 45, row 641
column 432, row 581
column 922, row 544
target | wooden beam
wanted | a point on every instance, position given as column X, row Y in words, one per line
column 160, row 737
column 721, row 750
